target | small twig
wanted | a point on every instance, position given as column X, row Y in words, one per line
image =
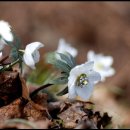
column 3, row 59
column 39, row 89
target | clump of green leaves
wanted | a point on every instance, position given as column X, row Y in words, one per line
column 64, row 62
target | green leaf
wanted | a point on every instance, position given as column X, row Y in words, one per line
column 14, row 54
column 66, row 59
column 72, row 59
column 60, row 80
column 63, row 92
column 17, row 41
column 41, row 75
column 64, row 74
column 52, row 59
column 62, row 65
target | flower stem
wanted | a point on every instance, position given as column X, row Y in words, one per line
column 21, row 51
column 7, row 67
column 39, row 89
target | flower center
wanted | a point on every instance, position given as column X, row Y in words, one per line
column 82, row 80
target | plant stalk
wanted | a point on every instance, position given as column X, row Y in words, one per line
column 39, row 89
column 7, row 67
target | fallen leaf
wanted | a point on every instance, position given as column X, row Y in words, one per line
column 72, row 115
column 10, row 87
column 13, row 110
column 37, row 109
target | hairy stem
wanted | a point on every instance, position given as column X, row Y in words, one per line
column 7, row 67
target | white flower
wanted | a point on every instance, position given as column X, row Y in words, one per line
column 81, row 81
column 102, row 64
column 5, row 31
column 66, row 47
column 31, row 55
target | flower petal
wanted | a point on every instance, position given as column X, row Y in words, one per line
column 30, row 48
column 106, row 73
column 83, row 68
column 78, row 70
column 36, row 56
column 100, row 58
column 28, row 59
column 90, row 55
column 106, row 60
column 72, row 92
column 102, row 64
column 93, row 76
column 110, row 72
column 85, row 92
column 5, row 31
column 7, row 36
column 63, row 47
column 31, row 55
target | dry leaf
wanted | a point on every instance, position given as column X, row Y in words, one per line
column 72, row 115
column 37, row 109
column 12, row 110
column 10, row 87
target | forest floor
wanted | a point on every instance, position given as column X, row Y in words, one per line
column 21, row 108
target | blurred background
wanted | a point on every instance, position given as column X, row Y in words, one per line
column 100, row 26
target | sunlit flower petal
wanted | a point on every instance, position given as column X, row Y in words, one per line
column 31, row 55
column 93, row 76
column 5, row 31
column 106, row 60
column 75, row 72
column 85, row 92
column 102, row 64
column 72, row 92
column 66, row 47
column 81, row 80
